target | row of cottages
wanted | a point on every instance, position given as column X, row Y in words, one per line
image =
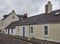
column 11, row 17
column 45, row 26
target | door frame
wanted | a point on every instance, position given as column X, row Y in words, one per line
column 23, row 31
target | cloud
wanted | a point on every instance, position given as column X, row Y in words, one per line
column 32, row 7
column 29, row 6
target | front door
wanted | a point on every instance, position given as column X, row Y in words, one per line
column 23, row 31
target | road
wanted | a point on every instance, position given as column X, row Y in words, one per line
column 8, row 40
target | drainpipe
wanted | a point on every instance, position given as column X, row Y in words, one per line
column 29, row 33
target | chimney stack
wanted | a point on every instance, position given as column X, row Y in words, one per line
column 48, row 7
column 13, row 11
column 25, row 16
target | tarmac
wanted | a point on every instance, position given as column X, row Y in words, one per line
column 33, row 40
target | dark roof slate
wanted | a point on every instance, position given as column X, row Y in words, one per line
column 52, row 17
column 19, row 16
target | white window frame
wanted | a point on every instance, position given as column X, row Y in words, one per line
column 44, row 31
column 31, row 30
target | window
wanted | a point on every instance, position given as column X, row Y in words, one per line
column 12, row 31
column 31, row 29
column 13, row 17
column 0, row 30
column 23, row 27
column 23, row 31
column 46, row 30
column 6, row 30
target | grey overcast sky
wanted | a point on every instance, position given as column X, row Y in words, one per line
column 32, row 7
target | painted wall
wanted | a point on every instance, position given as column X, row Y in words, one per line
column 53, row 32
column 1, row 26
column 38, row 31
column 10, row 31
column 14, row 32
column 19, row 30
column 6, row 31
column 10, row 19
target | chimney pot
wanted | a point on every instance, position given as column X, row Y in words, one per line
column 25, row 16
column 13, row 11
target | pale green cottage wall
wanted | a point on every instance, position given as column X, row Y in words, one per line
column 38, row 31
column 19, row 30
column 1, row 26
column 53, row 32
column 10, row 19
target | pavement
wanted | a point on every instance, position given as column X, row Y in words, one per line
column 9, row 39
column 33, row 40
column 4, row 39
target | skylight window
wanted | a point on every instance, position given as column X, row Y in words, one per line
column 58, row 13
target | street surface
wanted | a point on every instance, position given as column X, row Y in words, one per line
column 9, row 40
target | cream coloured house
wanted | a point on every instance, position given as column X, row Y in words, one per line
column 0, row 26
column 45, row 26
column 11, row 17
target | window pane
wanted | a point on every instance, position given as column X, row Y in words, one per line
column 12, row 31
column 0, row 30
column 23, row 27
column 31, row 29
column 6, row 30
column 46, row 30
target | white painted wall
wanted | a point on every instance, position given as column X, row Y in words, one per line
column 10, row 31
column 8, row 20
column 14, row 32
column 1, row 27
column 53, row 31
column 6, row 32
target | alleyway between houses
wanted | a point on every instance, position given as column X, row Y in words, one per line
column 9, row 40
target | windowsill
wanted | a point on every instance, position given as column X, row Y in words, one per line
column 45, row 36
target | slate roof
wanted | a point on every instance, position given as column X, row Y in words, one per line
column 53, row 17
column 5, row 16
